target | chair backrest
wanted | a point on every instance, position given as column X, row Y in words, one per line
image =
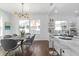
column 14, row 34
column 8, row 44
column 7, row 36
column 32, row 38
column 27, row 35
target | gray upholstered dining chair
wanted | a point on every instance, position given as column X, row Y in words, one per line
column 7, row 36
column 29, row 41
column 9, row 45
column 15, row 35
column 27, row 35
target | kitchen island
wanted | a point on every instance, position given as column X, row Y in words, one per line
column 66, row 47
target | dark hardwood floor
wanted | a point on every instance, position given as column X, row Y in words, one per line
column 38, row 48
column 41, row 48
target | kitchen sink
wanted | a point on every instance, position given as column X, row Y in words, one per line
column 66, row 38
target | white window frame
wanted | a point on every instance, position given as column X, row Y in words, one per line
column 30, row 30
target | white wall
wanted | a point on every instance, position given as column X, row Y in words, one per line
column 43, row 28
column 15, row 21
column 6, row 17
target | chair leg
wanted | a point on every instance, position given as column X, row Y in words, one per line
column 22, row 49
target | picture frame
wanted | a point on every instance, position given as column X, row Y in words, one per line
column 7, row 26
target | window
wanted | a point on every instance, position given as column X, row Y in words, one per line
column 30, row 26
column 60, row 27
column 35, row 26
column 57, row 25
column 24, row 25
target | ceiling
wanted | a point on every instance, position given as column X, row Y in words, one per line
column 28, row 7
column 66, row 9
column 54, row 8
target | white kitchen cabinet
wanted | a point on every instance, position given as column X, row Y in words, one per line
column 67, row 47
column 51, row 32
column 51, row 43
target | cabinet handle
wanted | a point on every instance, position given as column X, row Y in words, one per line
column 63, row 51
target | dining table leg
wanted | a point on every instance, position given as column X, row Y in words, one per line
column 22, row 47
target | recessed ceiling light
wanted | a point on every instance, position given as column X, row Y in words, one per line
column 51, row 4
column 76, row 11
column 56, row 11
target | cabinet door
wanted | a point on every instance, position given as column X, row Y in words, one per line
column 51, row 43
column 57, row 46
column 61, row 48
column 65, row 52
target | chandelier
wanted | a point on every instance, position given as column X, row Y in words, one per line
column 22, row 14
